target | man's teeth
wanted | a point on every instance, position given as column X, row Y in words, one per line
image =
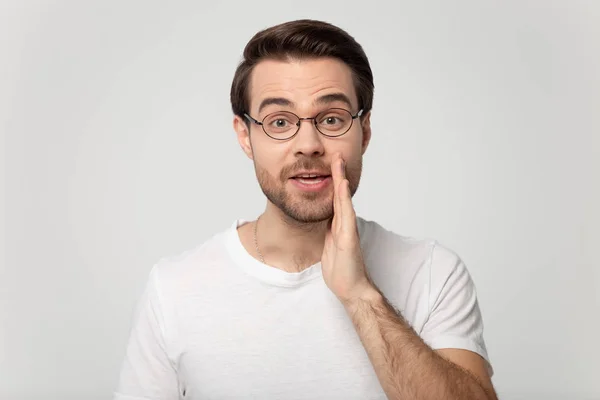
column 310, row 181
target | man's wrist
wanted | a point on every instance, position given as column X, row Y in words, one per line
column 369, row 295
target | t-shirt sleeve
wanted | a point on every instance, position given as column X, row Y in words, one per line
column 455, row 319
column 148, row 372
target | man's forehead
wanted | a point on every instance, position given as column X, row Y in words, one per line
column 300, row 79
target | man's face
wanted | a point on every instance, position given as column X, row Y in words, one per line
column 300, row 87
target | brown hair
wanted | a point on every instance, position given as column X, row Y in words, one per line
column 299, row 39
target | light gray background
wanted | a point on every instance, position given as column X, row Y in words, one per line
column 119, row 151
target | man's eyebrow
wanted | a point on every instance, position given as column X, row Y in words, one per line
column 332, row 97
column 280, row 101
column 325, row 99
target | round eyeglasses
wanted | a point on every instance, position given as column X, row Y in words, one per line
column 283, row 125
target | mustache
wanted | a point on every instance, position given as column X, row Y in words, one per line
column 303, row 164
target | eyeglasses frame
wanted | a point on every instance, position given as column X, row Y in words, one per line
column 300, row 119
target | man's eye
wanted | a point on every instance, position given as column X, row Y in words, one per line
column 331, row 120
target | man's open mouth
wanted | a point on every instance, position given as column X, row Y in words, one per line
column 310, row 179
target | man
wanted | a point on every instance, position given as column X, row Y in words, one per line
column 309, row 301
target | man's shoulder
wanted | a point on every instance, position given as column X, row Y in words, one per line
column 375, row 234
column 212, row 250
column 424, row 252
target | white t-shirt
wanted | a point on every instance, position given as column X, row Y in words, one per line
column 215, row 323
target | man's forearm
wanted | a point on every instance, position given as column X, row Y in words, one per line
column 406, row 367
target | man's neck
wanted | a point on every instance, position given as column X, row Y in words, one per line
column 283, row 240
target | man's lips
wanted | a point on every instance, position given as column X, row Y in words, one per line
column 315, row 184
column 311, row 175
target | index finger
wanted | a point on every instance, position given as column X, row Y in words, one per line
column 337, row 176
column 338, row 172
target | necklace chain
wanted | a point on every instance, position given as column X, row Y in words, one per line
column 262, row 259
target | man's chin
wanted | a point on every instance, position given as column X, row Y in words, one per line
column 309, row 219
column 303, row 207
column 309, row 216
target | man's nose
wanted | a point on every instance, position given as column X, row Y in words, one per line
column 308, row 140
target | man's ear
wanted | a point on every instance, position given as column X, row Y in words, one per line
column 365, row 122
column 243, row 135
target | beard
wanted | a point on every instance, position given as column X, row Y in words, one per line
column 304, row 207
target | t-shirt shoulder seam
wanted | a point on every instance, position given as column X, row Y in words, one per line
column 370, row 224
column 433, row 244
column 170, row 340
